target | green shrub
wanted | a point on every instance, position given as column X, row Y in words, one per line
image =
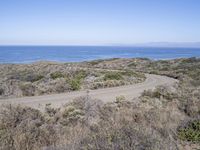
column 37, row 78
column 27, row 89
column 133, row 64
column 71, row 115
column 120, row 75
column 120, row 98
column 190, row 60
column 80, row 75
column 75, row 84
column 190, row 131
column 95, row 62
column 31, row 77
column 113, row 76
column 56, row 75
column 26, row 75
column 108, row 83
column 128, row 73
column 71, row 111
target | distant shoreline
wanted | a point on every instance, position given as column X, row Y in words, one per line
column 95, row 60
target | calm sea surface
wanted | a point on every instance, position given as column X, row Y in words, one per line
column 28, row 54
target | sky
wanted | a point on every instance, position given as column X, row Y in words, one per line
column 98, row 22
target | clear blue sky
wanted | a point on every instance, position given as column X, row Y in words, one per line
column 98, row 22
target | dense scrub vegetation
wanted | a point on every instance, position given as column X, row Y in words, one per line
column 113, row 76
column 164, row 118
column 84, row 124
column 45, row 78
column 190, row 131
column 185, row 96
column 56, row 75
column 156, row 120
column 176, row 68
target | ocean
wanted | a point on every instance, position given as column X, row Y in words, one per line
column 29, row 54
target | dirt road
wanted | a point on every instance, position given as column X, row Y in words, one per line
column 106, row 95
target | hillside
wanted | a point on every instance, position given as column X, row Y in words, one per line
column 166, row 117
column 47, row 78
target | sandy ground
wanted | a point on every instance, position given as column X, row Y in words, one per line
column 106, row 95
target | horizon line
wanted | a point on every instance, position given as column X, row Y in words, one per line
column 146, row 44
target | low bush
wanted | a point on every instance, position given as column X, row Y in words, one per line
column 50, row 111
column 128, row 73
column 84, row 124
column 191, row 60
column 76, row 81
column 75, row 84
column 107, row 84
column 23, row 128
column 119, row 135
column 190, row 131
column 192, row 107
column 32, row 77
column 95, row 62
column 26, row 75
column 113, row 76
column 27, row 89
column 71, row 115
column 120, row 98
column 132, row 64
column 56, row 75
column 81, row 74
column 160, row 92
column 37, row 78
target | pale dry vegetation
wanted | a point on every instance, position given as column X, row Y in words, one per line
column 86, row 124
column 159, row 119
column 166, row 118
column 47, row 78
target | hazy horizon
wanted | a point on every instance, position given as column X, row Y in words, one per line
column 149, row 44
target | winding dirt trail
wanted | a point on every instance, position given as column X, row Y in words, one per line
column 106, row 95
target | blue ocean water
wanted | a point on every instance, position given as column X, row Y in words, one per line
column 29, row 54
